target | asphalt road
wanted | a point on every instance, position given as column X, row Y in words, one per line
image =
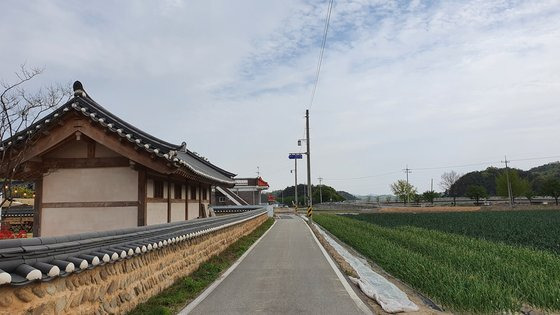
column 286, row 273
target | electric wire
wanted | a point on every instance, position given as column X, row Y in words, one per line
column 322, row 51
column 442, row 167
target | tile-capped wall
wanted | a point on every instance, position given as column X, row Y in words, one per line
column 116, row 288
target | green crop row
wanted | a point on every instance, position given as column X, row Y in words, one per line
column 536, row 229
column 461, row 273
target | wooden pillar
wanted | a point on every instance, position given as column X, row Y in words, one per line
column 142, row 194
column 168, row 201
column 38, row 207
column 200, row 214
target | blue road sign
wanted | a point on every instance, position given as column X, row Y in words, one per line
column 295, row 156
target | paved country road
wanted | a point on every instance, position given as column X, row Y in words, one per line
column 286, row 273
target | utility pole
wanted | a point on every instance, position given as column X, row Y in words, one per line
column 309, row 200
column 258, row 172
column 407, row 171
column 432, row 185
column 508, row 183
column 320, row 189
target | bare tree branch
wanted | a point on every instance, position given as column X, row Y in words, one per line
column 19, row 110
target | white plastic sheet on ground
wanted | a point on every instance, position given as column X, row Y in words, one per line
column 387, row 295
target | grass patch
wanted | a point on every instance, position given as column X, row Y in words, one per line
column 461, row 273
column 177, row 296
column 539, row 229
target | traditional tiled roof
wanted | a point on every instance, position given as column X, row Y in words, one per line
column 18, row 211
column 23, row 261
column 261, row 182
column 178, row 155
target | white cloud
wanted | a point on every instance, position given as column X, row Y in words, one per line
column 423, row 83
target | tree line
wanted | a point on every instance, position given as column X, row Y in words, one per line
column 327, row 193
column 543, row 181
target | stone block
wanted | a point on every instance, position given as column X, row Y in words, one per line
column 6, row 300
column 24, row 295
column 38, row 291
column 112, row 287
column 44, row 309
column 60, row 304
column 103, row 273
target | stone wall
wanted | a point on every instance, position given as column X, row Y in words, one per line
column 118, row 287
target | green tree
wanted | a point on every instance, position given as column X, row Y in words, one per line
column 430, row 195
column 529, row 194
column 417, row 198
column 403, row 190
column 551, row 187
column 476, row 192
column 519, row 186
column 22, row 192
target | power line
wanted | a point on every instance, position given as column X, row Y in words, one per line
column 443, row 167
column 537, row 158
column 454, row 166
column 320, row 61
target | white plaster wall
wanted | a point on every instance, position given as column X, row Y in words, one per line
column 193, row 210
column 63, row 221
column 177, row 212
column 71, row 149
column 157, row 213
column 205, row 204
column 91, row 184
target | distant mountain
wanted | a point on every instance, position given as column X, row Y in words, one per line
column 346, row 195
column 487, row 178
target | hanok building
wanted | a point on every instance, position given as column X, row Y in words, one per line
column 93, row 171
column 247, row 191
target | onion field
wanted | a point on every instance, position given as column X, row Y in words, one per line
column 446, row 261
column 539, row 229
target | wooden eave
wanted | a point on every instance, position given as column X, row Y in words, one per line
column 81, row 114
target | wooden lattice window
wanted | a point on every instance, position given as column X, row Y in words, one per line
column 158, row 189
column 204, row 193
column 193, row 192
column 178, row 191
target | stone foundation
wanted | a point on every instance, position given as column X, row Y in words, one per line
column 118, row 287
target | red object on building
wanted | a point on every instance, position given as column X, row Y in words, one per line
column 271, row 198
column 261, row 182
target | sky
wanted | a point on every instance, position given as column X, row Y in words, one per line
column 432, row 85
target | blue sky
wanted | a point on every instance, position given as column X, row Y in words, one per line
column 424, row 83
